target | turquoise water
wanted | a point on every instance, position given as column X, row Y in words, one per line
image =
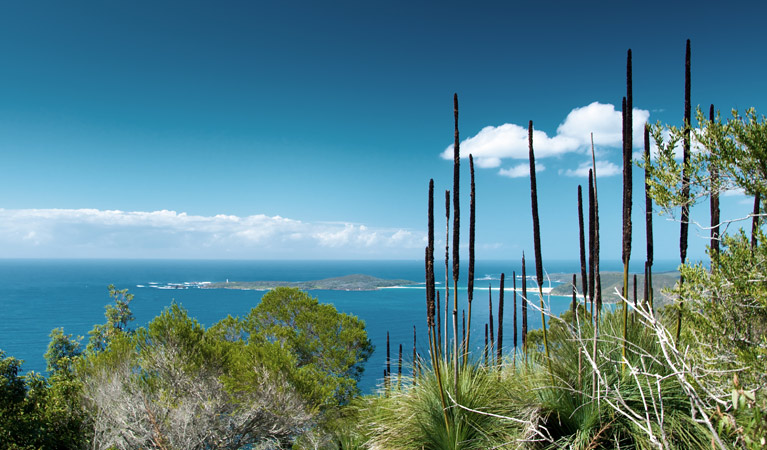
column 39, row 295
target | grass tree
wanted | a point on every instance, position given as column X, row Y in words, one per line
column 593, row 269
column 447, row 269
column 537, row 238
column 627, row 193
column 597, row 275
column 524, row 306
column 430, row 302
column 582, row 243
column 399, row 369
column 592, row 246
column 438, row 325
column 499, row 345
column 470, row 287
column 648, row 222
column 456, row 236
column 490, row 314
column 514, row 330
column 580, row 398
column 685, row 225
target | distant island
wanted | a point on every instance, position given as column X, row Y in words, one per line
column 614, row 280
column 356, row 282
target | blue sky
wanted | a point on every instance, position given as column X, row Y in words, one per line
column 264, row 130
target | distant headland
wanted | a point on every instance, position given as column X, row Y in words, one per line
column 612, row 282
column 356, row 282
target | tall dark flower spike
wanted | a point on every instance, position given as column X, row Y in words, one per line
column 537, row 240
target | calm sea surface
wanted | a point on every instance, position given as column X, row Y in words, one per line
column 39, row 295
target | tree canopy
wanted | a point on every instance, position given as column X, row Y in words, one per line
column 269, row 377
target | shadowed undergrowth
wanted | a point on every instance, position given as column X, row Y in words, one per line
column 634, row 404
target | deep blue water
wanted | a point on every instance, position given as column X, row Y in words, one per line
column 39, row 295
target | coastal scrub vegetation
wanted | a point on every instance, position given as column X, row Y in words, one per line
column 686, row 375
column 275, row 376
column 687, row 372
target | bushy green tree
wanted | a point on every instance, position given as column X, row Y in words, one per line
column 38, row 413
column 729, row 308
column 62, row 350
column 12, row 398
column 167, row 386
column 730, row 298
column 735, row 149
column 725, row 306
column 333, row 347
column 268, row 377
column 118, row 318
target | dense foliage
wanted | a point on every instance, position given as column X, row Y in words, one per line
column 726, row 304
column 277, row 375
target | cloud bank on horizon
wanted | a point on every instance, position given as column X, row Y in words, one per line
column 93, row 233
column 493, row 144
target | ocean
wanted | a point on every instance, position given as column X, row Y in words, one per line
column 37, row 296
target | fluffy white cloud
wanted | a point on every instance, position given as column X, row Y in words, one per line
column 110, row 233
column 734, row 193
column 604, row 169
column 350, row 234
column 493, row 144
column 604, row 121
column 521, row 170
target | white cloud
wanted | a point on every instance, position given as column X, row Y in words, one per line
column 734, row 193
column 604, row 169
column 112, row 233
column 350, row 234
column 521, row 170
column 403, row 237
column 605, row 122
column 493, row 144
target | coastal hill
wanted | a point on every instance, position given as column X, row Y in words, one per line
column 614, row 280
column 356, row 282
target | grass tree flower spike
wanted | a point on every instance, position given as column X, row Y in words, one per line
column 537, row 240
